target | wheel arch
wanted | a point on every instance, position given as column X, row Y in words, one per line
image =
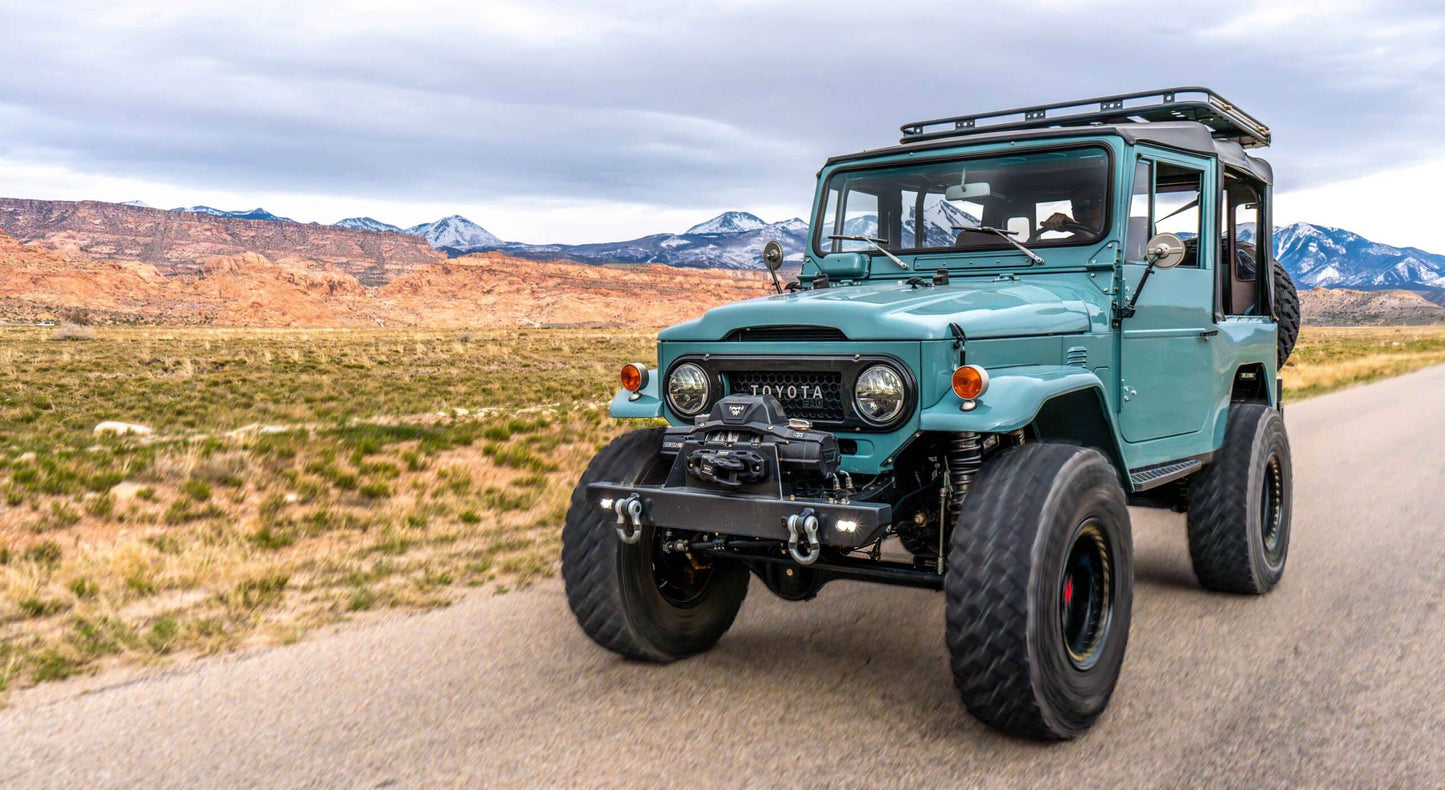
column 1060, row 403
column 1251, row 385
column 1081, row 417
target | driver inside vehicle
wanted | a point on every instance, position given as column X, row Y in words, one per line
column 1088, row 218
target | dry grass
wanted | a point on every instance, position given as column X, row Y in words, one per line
column 298, row 476
column 294, row 477
column 1332, row 358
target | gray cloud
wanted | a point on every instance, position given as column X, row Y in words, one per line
column 704, row 105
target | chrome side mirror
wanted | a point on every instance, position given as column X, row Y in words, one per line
column 773, row 259
column 1164, row 251
column 773, row 255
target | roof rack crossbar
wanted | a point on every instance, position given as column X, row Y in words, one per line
column 1225, row 120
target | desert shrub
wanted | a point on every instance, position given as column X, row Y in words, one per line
column 72, row 331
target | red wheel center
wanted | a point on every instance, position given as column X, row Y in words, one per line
column 1068, row 591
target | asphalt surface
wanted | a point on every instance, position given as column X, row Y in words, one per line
column 1334, row 679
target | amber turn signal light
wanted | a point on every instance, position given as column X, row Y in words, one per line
column 634, row 376
column 970, row 381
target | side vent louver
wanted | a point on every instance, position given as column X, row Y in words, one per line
column 1078, row 356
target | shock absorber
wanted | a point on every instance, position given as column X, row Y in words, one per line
column 965, row 456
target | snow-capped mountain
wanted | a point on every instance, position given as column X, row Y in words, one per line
column 707, row 245
column 137, row 203
column 1319, row 256
column 939, row 220
column 456, row 235
column 367, row 223
column 728, row 222
column 255, row 213
column 1315, row 255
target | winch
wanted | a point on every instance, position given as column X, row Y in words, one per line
column 748, row 444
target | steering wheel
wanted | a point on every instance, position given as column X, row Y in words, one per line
column 1069, row 226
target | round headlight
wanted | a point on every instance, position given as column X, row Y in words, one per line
column 687, row 389
column 880, row 394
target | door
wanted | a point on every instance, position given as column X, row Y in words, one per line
column 1168, row 385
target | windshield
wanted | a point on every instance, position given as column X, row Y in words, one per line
column 1044, row 199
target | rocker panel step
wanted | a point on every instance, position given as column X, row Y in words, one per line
column 1159, row 474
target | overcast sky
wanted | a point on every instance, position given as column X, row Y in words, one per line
column 589, row 121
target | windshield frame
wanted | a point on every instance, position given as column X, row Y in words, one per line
column 817, row 236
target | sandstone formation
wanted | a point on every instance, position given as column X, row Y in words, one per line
column 249, row 289
column 177, row 242
column 1345, row 307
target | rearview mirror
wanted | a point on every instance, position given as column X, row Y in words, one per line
column 979, row 189
column 1165, row 251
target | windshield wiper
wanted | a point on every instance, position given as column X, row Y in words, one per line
column 877, row 245
column 1006, row 235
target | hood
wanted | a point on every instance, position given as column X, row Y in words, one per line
column 893, row 310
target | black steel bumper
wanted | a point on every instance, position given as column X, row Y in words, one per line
column 749, row 516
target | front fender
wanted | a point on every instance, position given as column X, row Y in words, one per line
column 646, row 405
column 1013, row 399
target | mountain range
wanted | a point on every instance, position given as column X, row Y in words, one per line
column 1315, row 255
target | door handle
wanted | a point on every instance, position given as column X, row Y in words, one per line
column 1208, row 333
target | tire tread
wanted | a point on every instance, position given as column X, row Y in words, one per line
column 987, row 587
column 589, row 569
column 1220, row 500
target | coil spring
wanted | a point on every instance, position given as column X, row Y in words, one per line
column 965, row 456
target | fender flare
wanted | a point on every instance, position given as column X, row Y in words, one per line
column 1015, row 398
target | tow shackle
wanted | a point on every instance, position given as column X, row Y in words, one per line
column 629, row 519
column 803, row 544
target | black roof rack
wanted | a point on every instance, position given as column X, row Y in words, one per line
column 1202, row 105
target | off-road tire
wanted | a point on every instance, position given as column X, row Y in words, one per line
column 1286, row 309
column 609, row 583
column 1003, row 585
column 1229, row 522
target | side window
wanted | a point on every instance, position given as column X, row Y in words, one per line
column 1244, row 211
column 1176, row 206
column 1239, row 279
column 1045, row 209
column 908, row 228
column 940, row 215
column 1140, row 221
column 860, row 218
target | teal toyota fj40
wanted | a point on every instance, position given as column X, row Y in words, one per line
column 1007, row 329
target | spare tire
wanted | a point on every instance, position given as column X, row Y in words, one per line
column 1286, row 311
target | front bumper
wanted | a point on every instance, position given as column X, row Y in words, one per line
column 841, row 525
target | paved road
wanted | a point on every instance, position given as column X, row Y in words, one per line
column 1335, row 679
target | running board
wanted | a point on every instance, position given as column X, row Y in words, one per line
column 1155, row 476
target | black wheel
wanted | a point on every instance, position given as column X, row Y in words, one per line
column 1286, row 307
column 1239, row 505
column 1039, row 589
column 637, row 599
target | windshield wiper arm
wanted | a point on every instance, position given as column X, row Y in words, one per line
column 877, row 245
column 1006, row 235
